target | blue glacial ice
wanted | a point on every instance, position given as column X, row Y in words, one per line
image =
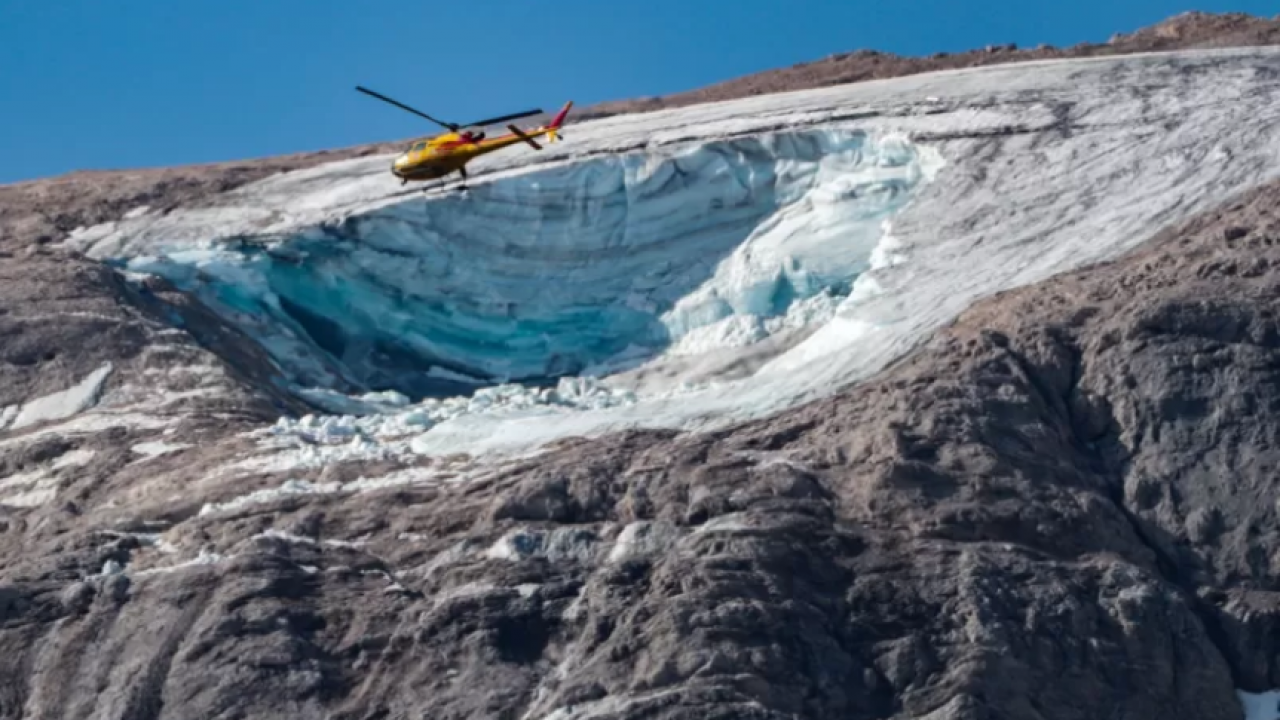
column 585, row 268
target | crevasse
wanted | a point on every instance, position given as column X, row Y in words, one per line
column 588, row 267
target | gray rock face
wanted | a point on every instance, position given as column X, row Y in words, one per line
column 1063, row 507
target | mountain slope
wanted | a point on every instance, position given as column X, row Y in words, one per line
column 1057, row 500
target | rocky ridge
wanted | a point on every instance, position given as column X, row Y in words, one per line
column 1187, row 31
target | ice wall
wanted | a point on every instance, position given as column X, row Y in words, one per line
column 589, row 266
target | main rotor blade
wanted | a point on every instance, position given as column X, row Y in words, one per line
column 504, row 118
column 402, row 106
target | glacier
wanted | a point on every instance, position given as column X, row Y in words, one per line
column 705, row 265
column 555, row 272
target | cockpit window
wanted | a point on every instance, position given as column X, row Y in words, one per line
column 418, row 146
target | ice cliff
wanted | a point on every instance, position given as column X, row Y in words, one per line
column 562, row 270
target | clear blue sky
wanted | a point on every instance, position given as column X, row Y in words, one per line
column 91, row 84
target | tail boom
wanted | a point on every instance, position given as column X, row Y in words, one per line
column 528, row 136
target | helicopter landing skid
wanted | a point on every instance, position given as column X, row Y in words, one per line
column 444, row 189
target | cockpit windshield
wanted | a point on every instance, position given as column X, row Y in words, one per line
column 417, row 147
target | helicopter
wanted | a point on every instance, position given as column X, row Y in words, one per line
column 442, row 155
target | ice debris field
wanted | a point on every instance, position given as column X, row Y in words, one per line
column 701, row 266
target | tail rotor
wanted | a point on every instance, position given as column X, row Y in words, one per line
column 553, row 129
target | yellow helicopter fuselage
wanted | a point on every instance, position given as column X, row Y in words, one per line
column 441, row 155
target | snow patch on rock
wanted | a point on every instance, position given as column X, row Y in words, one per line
column 65, row 403
column 157, row 448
